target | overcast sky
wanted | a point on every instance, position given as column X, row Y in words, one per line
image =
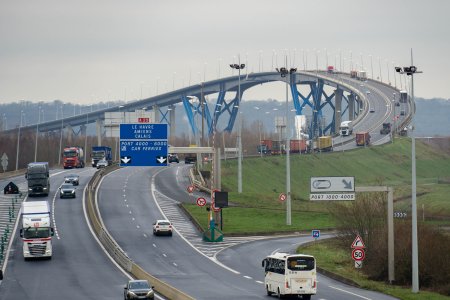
column 89, row 51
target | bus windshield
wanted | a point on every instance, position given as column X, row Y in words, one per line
column 300, row 263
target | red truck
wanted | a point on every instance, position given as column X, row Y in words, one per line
column 297, row 146
column 362, row 138
column 73, row 157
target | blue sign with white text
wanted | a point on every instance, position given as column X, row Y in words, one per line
column 316, row 233
column 143, row 145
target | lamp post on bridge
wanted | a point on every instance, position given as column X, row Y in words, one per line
column 410, row 71
column 284, row 72
column 18, row 140
column 239, row 67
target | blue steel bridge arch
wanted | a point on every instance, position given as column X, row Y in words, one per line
column 316, row 100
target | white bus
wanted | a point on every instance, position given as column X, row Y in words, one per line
column 290, row 274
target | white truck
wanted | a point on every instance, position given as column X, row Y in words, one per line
column 346, row 128
column 36, row 231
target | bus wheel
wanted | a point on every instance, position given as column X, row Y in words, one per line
column 269, row 293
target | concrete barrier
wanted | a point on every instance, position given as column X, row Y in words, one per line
column 114, row 249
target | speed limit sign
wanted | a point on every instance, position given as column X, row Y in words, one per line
column 358, row 254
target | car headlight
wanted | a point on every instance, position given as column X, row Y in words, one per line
column 30, row 189
column 73, row 192
column 150, row 293
column 45, row 188
column 131, row 295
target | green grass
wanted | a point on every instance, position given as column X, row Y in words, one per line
column 331, row 258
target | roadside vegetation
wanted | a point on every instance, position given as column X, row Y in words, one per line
column 258, row 211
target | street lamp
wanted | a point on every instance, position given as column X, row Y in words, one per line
column 394, row 120
column 37, row 135
column 18, row 141
column 61, row 136
column 284, row 72
column 409, row 71
column 239, row 67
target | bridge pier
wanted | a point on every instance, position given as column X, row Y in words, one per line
column 351, row 107
column 338, row 110
column 99, row 130
column 171, row 123
column 69, row 131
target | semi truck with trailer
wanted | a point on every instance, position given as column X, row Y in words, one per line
column 99, row 153
column 38, row 178
column 346, row 128
column 73, row 157
column 386, row 129
column 298, row 146
column 36, row 231
column 362, row 138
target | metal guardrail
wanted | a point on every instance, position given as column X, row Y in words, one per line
column 114, row 249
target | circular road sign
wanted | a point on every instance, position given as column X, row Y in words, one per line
column 190, row 189
column 216, row 209
column 358, row 254
column 282, row 197
column 201, row 201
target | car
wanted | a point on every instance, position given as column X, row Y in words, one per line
column 72, row 178
column 138, row 289
column 102, row 163
column 402, row 113
column 397, row 103
column 67, row 190
column 367, row 92
column 174, row 158
column 162, row 226
column 372, row 110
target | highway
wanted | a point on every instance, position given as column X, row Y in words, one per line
column 78, row 269
column 130, row 202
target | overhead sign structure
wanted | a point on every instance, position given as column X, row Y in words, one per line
column 332, row 184
column 143, row 145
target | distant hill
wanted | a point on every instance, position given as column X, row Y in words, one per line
column 432, row 117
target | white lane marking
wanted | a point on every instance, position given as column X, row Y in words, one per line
column 53, row 217
column 214, row 259
column 344, row 291
column 260, row 282
column 175, row 264
column 145, row 235
column 164, row 255
column 129, row 211
column 133, row 219
column 248, row 277
column 137, row 226
column 154, row 245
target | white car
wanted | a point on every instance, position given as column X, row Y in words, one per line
column 162, row 226
column 102, row 164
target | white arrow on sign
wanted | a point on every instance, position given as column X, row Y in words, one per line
column 125, row 159
column 161, row 159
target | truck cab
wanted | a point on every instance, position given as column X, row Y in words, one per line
column 346, row 128
column 37, row 176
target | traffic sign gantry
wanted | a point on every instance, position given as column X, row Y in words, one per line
column 143, row 145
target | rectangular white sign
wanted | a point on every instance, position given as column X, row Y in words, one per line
column 332, row 184
column 332, row 197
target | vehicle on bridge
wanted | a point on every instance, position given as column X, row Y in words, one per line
column 36, row 232
column 99, row 153
column 386, row 128
column 403, row 97
column 73, row 157
column 346, row 128
column 362, row 138
column 290, row 275
column 361, row 75
column 38, row 178
column 298, row 146
column 324, row 143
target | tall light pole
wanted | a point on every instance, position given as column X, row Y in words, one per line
column 18, row 141
column 61, row 136
column 371, row 65
column 395, row 119
column 239, row 67
column 415, row 251
column 284, row 72
column 37, row 135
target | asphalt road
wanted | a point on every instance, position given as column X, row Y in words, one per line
column 79, row 269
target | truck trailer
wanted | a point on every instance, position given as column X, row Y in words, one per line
column 36, row 231
column 325, row 143
column 362, row 138
column 99, row 153
column 38, row 178
column 298, row 146
column 73, row 157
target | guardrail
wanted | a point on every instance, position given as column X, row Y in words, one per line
column 114, row 249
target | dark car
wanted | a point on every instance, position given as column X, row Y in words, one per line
column 173, row 158
column 67, row 190
column 138, row 289
column 72, row 178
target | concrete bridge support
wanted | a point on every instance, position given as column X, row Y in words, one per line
column 69, row 134
column 351, row 107
column 338, row 109
column 99, row 130
column 172, row 123
column 157, row 116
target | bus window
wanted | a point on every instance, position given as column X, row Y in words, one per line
column 300, row 263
